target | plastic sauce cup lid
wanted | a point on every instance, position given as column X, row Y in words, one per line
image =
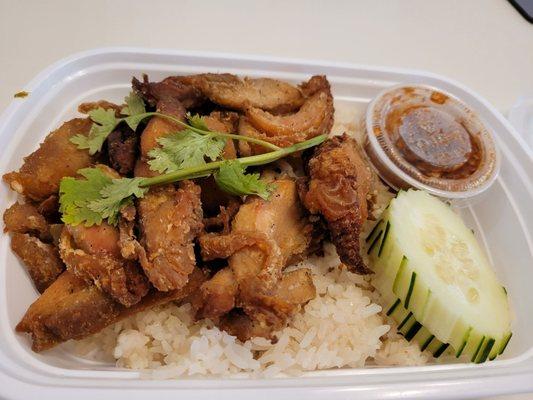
column 419, row 136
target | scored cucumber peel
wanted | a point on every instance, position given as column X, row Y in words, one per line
column 435, row 280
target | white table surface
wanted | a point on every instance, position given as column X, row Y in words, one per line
column 485, row 44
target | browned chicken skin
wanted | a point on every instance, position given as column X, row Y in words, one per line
column 170, row 219
column 73, row 309
column 93, row 254
column 235, row 93
column 171, row 88
column 295, row 289
column 156, row 128
column 39, row 176
column 25, row 218
column 265, row 236
column 315, row 117
column 338, row 189
column 31, row 242
column 41, row 259
column 218, row 294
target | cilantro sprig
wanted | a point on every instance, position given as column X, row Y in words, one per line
column 193, row 152
column 106, row 121
column 98, row 197
column 184, row 149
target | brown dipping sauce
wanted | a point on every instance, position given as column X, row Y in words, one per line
column 434, row 142
column 419, row 136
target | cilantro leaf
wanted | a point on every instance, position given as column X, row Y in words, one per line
column 133, row 121
column 231, row 178
column 134, row 105
column 81, row 141
column 185, row 149
column 97, row 197
column 75, row 195
column 135, row 110
column 114, row 196
column 104, row 122
column 196, row 121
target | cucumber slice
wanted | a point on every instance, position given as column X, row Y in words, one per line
column 424, row 256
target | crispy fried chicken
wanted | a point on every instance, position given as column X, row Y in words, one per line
column 338, row 189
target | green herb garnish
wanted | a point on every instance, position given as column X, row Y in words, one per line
column 182, row 155
column 98, row 197
column 231, row 178
column 105, row 122
column 185, row 149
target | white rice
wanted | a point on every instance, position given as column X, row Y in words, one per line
column 342, row 327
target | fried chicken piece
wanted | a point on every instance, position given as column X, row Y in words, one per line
column 282, row 220
column 41, row 259
column 238, row 323
column 232, row 92
column 266, row 235
column 122, row 149
column 274, row 308
column 217, row 246
column 221, row 223
column 225, row 122
column 156, row 128
column 170, row 220
column 248, row 149
column 130, row 248
column 49, row 208
column 218, row 294
column 74, row 309
column 314, row 118
column 31, row 243
column 57, row 157
column 338, row 190
column 172, row 88
column 25, row 218
column 93, row 254
column 296, row 289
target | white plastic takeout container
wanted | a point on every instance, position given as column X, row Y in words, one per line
column 502, row 221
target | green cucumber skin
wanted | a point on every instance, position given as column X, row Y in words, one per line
column 411, row 300
column 427, row 342
column 410, row 290
column 486, row 351
column 505, row 343
column 374, row 242
column 465, row 341
column 393, row 307
column 401, row 268
column 387, row 228
column 405, row 320
column 413, row 331
column 473, row 359
column 441, row 350
column 374, row 229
